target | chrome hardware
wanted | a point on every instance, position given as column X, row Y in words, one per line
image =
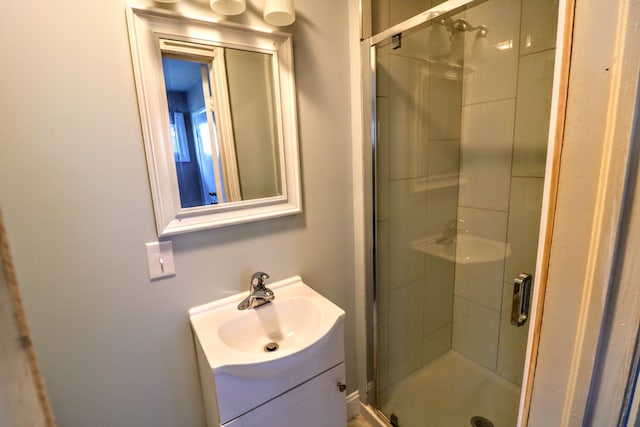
column 258, row 278
column 342, row 387
column 521, row 299
column 396, row 41
column 271, row 347
column 259, row 294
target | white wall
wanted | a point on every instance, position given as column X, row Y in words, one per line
column 250, row 98
column 115, row 348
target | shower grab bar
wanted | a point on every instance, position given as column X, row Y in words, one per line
column 521, row 299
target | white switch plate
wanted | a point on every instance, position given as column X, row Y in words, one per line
column 160, row 259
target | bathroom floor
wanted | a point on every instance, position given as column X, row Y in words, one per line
column 358, row 421
column 448, row 392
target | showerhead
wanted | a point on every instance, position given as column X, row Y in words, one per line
column 447, row 39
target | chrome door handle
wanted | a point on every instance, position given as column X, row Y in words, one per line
column 521, row 299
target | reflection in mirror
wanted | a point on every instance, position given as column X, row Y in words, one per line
column 192, row 140
column 217, row 103
column 250, row 77
column 212, row 94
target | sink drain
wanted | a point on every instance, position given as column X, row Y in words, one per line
column 272, row 346
column 480, row 422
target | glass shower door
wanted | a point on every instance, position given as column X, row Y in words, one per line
column 462, row 109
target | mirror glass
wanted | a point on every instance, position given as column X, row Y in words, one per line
column 217, row 103
column 222, row 118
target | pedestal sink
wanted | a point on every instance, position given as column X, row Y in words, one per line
column 246, row 358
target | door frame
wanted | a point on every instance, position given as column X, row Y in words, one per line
column 598, row 145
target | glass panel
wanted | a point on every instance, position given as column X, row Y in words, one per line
column 386, row 13
column 463, row 114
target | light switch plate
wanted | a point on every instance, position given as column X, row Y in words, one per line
column 160, row 259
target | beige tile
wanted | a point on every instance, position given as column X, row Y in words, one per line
column 481, row 282
column 444, row 157
column 539, row 25
column 407, row 225
column 405, row 330
column 405, row 9
column 532, row 114
column 493, row 77
column 382, row 272
column 445, row 108
column 415, row 44
column 382, row 158
column 475, row 332
column 438, row 293
column 524, row 225
column 483, row 223
column 485, row 165
column 383, row 358
column 382, row 70
column 436, row 343
column 513, row 341
column 408, row 104
column 442, row 209
column 379, row 15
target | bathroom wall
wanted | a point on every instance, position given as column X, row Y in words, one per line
column 115, row 347
column 505, row 116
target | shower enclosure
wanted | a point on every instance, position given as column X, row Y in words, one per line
column 462, row 107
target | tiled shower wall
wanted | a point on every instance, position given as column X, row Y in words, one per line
column 488, row 132
column 505, row 120
column 419, row 110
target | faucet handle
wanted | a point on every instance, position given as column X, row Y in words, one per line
column 258, row 278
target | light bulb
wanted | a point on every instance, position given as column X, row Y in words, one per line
column 438, row 40
column 279, row 12
column 481, row 47
column 457, row 47
column 228, row 7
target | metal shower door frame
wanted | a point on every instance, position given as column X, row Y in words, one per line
column 555, row 136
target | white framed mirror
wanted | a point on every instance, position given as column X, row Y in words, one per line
column 218, row 113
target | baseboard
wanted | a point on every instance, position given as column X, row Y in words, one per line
column 355, row 407
column 370, row 416
column 353, row 404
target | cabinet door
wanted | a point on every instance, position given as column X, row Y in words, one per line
column 315, row 403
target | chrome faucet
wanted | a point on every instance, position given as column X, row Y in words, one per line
column 449, row 233
column 259, row 294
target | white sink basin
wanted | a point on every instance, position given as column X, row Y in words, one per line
column 233, row 341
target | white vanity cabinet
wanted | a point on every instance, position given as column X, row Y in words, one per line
column 278, row 365
column 318, row 402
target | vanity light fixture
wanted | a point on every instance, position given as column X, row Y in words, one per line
column 279, row 12
column 276, row 12
column 447, row 38
column 228, row 7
